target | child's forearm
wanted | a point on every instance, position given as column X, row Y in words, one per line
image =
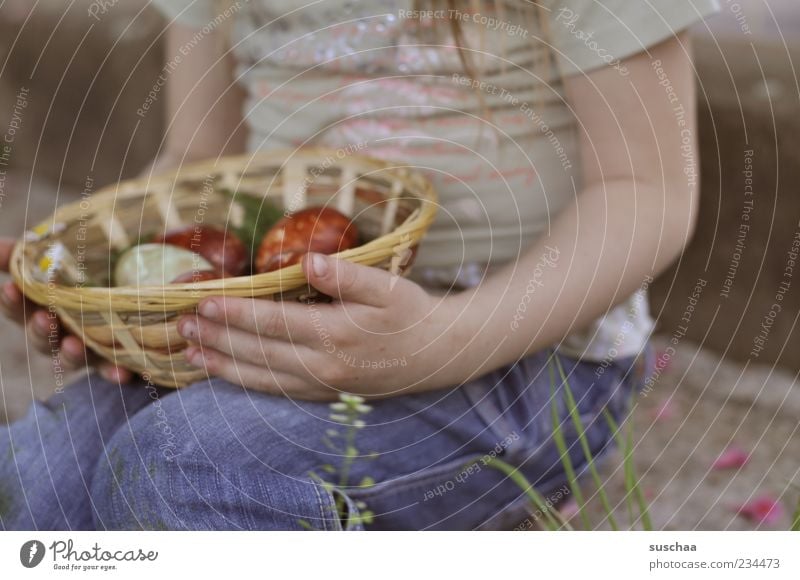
column 599, row 251
column 203, row 109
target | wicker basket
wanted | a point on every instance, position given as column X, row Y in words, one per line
column 135, row 327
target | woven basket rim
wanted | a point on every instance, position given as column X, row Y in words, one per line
column 180, row 296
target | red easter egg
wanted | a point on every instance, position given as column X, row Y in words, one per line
column 317, row 229
column 223, row 250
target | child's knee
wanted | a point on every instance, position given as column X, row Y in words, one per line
column 175, row 466
column 158, row 465
column 134, row 471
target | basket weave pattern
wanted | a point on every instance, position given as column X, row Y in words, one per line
column 135, row 327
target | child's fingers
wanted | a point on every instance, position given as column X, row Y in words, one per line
column 12, row 302
column 114, row 374
column 349, row 282
column 73, row 352
column 76, row 355
column 6, row 248
column 43, row 332
column 45, row 335
column 254, row 377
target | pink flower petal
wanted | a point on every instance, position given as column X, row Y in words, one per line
column 763, row 510
column 664, row 412
column 568, row 509
column 663, row 361
column 733, row 457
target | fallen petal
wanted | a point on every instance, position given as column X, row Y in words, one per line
column 664, row 412
column 663, row 361
column 763, row 510
column 569, row 509
column 733, row 457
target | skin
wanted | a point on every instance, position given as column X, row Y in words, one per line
column 633, row 216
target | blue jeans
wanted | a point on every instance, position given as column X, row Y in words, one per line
column 216, row 456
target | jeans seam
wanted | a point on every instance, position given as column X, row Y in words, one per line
column 323, row 507
column 424, row 476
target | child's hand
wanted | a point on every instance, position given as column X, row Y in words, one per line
column 40, row 327
column 383, row 336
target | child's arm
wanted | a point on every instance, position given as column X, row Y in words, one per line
column 203, row 115
column 634, row 214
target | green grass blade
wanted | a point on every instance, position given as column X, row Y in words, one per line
column 554, row 519
column 629, row 481
column 644, row 510
column 587, row 452
column 566, row 460
column 631, row 478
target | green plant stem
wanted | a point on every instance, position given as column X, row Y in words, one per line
column 796, row 519
column 587, row 452
column 347, row 463
column 632, row 487
column 629, row 484
column 554, row 522
column 563, row 451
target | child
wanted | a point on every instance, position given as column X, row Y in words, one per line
column 561, row 140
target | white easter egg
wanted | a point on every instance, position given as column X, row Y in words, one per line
column 156, row 265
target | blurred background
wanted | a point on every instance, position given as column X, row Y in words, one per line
column 70, row 86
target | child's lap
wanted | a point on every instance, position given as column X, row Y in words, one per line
column 422, row 441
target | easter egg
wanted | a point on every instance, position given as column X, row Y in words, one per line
column 223, row 250
column 322, row 230
column 156, row 265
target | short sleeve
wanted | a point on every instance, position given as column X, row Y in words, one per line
column 194, row 13
column 588, row 34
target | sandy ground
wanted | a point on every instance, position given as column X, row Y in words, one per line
column 699, row 407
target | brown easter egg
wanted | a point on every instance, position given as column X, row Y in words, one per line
column 322, row 230
column 223, row 250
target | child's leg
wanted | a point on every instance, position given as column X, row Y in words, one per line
column 47, row 458
column 215, row 456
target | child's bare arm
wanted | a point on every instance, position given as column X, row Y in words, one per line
column 203, row 114
column 634, row 213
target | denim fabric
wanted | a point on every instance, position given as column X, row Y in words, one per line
column 48, row 457
column 215, row 456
